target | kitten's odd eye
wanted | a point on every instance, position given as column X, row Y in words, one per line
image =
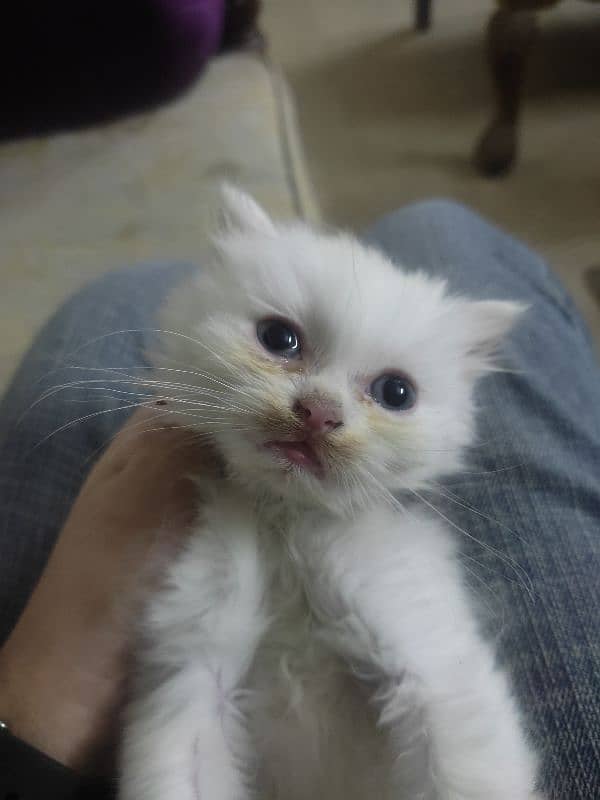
column 393, row 392
column 279, row 338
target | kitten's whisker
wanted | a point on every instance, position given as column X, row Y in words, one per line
column 87, row 384
column 214, row 379
column 125, row 331
column 384, row 493
column 488, row 472
column 453, row 498
column 202, row 434
column 71, row 423
column 199, row 417
column 151, row 368
column 381, row 492
column 170, row 398
column 220, row 358
column 348, row 480
column 130, row 427
column 462, row 557
column 193, row 388
column 519, row 571
column 154, row 399
column 486, row 586
column 162, row 331
column 487, row 568
column 116, row 392
column 195, row 435
column 147, row 404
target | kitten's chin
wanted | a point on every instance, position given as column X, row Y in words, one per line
column 296, row 472
column 291, row 470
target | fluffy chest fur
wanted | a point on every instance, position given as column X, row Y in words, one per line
column 309, row 717
column 306, row 716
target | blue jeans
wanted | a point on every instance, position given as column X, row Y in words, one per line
column 529, row 505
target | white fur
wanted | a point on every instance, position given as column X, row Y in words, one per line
column 315, row 640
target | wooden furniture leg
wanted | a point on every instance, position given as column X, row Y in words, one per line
column 510, row 37
column 422, row 14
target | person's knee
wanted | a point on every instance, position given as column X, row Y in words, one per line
column 121, row 296
column 437, row 206
column 436, row 234
column 114, row 286
column 447, row 238
column 441, row 211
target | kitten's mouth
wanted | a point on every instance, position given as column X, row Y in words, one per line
column 300, row 454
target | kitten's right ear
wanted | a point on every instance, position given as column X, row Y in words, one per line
column 241, row 213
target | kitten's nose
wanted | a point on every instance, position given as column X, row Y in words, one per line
column 319, row 415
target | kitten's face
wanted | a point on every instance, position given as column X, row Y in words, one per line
column 324, row 372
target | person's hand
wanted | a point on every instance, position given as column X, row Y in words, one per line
column 62, row 669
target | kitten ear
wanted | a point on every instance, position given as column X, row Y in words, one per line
column 486, row 322
column 241, row 213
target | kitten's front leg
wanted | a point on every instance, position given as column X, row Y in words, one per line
column 184, row 738
column 389, row 595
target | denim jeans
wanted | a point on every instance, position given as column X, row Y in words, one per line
column 527, row 511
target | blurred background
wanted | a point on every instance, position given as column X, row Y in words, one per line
column 120, row 118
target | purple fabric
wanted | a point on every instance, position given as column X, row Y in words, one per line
column 195, row 28
column 66, row 63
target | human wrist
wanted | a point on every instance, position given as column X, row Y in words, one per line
column 29, row 773
column 62, row 709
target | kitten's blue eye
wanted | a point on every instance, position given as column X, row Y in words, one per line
column 394, row 392
column 278, row 337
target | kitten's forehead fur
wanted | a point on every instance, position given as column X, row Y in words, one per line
column 358, row 315
column 354, row 296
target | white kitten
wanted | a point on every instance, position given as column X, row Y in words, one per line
column 315, row 640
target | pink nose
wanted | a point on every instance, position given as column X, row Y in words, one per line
column 319, row 416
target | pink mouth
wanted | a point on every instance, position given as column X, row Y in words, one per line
column 301, row 454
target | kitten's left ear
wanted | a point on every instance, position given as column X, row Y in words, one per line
column 241, row 213
column 486, row 322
